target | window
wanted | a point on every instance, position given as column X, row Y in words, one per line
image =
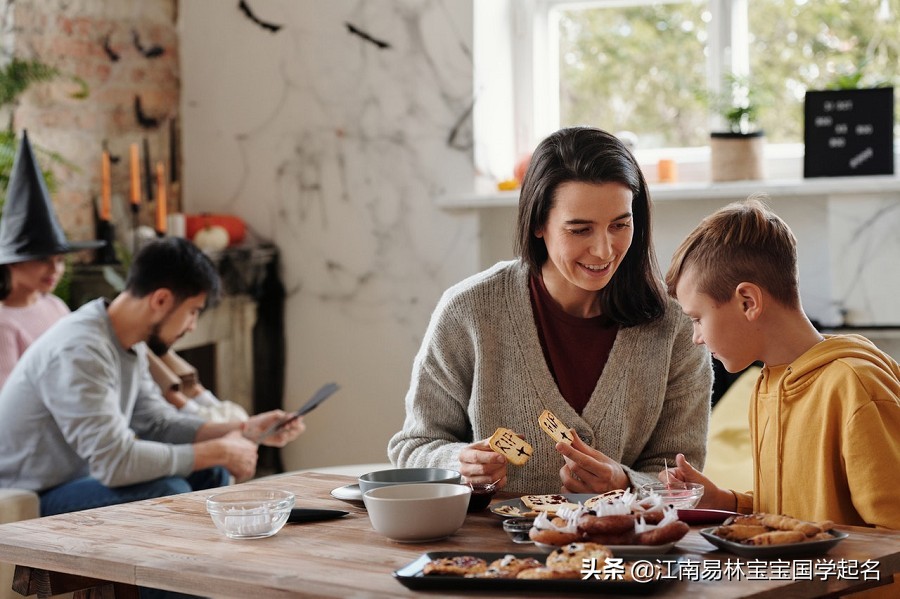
column 795, row 45
column 640, row 68
column 654, row 66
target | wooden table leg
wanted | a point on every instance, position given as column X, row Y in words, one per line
column 44, row 583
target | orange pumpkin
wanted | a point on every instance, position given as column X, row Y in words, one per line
column 235, row 227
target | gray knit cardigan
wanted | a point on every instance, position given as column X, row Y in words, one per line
column 481, row 366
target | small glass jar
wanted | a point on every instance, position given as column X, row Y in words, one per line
column 517, row 529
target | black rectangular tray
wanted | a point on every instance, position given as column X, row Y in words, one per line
column 411, row 577
column 789, row 550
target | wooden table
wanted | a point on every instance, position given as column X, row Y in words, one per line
column 171, row 543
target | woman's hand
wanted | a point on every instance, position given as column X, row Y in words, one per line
column 713, row 497
column 588, row 470
column 478, row 463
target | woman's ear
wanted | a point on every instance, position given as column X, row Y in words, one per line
column 751, row 298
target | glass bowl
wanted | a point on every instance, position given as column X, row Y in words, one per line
column 517, row 529
column 675, row 493
column 482, row 493
column 250, row 513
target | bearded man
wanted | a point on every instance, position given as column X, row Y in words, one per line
column 83, row 424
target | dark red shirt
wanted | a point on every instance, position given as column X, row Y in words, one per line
column 576, row 349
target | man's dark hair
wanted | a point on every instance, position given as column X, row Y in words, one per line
column 175, row 264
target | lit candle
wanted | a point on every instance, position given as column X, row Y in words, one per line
column 105, row 205
column 160, row 198
column 135, row 176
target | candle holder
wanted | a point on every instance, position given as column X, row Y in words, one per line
column 135, row 223
column 107, row 232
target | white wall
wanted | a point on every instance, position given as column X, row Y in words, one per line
column 333, row 148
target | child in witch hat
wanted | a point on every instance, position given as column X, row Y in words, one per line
column 32, row 248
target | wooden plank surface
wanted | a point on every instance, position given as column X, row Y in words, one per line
column 171, row 543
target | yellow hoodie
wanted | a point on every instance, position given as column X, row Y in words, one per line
column 826, row 436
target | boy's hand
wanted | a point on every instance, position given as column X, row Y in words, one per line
column 478, row 463
column 588, row 470
column 713, row 498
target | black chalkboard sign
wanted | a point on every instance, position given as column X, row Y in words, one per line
column 849, row 132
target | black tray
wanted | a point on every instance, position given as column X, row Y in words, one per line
column 411, row 577
column 787, row 550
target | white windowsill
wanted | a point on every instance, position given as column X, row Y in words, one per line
column 665, row 192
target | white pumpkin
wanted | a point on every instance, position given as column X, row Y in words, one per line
column 212, row 238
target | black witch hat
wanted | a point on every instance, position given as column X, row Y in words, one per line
column 28, row 226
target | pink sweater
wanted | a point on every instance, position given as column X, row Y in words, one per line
column 19, row 327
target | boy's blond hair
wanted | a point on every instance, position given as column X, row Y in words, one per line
column 742, row 242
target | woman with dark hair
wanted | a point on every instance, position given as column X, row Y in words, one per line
column 579, row 324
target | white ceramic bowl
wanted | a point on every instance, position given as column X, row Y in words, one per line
column 679, row 495
column 406, row 476
column 250, row 513
column 418, row 512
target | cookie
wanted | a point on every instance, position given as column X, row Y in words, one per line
column 575, row 556
column 458, row 565
column 549, row 573
column 547, row 503
column 511, row 446
column 554, row 427
column 507, row 510
column 552, row 537
column 608, row 497
column 507, row 566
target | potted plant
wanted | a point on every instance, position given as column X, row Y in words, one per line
column 16, row 77
column 736, row 153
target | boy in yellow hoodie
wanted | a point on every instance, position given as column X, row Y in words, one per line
column 825, row 414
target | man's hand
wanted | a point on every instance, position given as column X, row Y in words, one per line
column 478, row 463
column 260, row 423
column 233, row 451
column 588, row 470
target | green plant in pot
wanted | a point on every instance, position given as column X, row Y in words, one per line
column 16, row 76
column 736, row 153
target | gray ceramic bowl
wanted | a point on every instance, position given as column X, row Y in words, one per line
column 405, row 476
column 417, row 513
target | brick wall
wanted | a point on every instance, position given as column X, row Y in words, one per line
column 122, row 50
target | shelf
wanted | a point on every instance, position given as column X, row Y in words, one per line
column 682, row 192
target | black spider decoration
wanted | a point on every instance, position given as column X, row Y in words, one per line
column 245, row 8
column 153, row 51
column 143, row 120
column 380, row 44
column 113, row 55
